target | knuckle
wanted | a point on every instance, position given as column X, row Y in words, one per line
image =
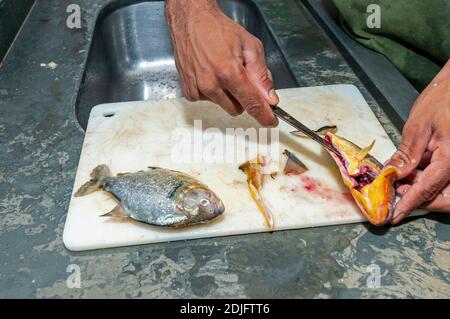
column 403, row 154
column 429, row 193
column 444, row 172
column 253, row 43
column 414, row 132
column 259, row 45
column 208, row 89
column 192, row 95
column 253, row 107
column 189, row 97
column 409, row 128
column 234, row 112
column 196, row 95
column 225, row 75
column 265, row 76
column 269, row 74
column 235, row 109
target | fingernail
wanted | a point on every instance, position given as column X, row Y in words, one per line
column 397, row 219
column 398, row 216
column 394, row 220
column 386, row 167
column 397, row 212
column 272, row 96
column 271, row 93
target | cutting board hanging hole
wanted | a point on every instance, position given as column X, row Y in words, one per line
column 109, row 114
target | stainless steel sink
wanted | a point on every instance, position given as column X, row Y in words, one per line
column 131, row 55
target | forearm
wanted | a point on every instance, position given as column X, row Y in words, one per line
column 179, row 11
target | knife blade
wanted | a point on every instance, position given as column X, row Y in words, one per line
column 282, row 114
column 285, row 116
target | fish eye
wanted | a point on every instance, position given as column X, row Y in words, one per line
column 204, row 202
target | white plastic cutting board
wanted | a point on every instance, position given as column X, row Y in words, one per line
column 142, row 134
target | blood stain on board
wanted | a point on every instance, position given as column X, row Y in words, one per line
column 316, row 188
column 346, row 196
column 310, row 184
column 310, row 187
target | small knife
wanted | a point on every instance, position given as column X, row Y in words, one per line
column 282, row 114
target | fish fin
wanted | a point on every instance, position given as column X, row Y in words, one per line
column 256, row 195
column 122, row 174
column 364, row 151
column 98, row 175
column 293, row 165
column 117, row 211
column 327, row 129
column 254, row 182
column 253, row 171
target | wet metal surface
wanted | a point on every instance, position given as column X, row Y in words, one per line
column 41, row 141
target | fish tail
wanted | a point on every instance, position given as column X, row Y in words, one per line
column 256, row 195
column 98, row 176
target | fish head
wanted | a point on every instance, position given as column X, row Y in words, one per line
column 199, row 203
column 371, row 187
column 376, row 200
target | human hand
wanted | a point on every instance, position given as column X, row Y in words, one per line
column 423, row 158
column 218, row 60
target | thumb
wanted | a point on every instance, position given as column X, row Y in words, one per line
column 408, row 156
column 428, row 185
column 257, row 71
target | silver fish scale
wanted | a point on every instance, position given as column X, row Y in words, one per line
column 149, row 196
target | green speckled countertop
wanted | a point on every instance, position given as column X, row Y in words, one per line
column 41, row 141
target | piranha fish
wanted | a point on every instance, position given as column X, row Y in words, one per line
column 156, row 196
column 254, row 182
column 371, row 187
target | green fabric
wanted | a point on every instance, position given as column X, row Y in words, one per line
column 414, row 34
